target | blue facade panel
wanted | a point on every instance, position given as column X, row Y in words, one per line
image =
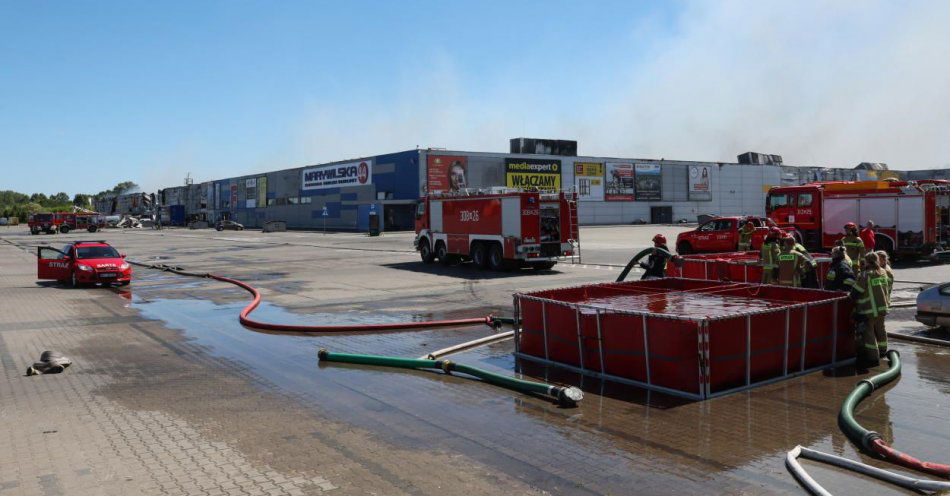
column 404, row 181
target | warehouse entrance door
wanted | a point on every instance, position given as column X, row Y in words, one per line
column 399, row 217
column 661, row 215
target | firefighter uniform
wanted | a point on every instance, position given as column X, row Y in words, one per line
column 791, row 264
column 855, row 249
column 810, row 273
column 870, row 290
column 745, row 236
column 769, row 255
column 840, row 276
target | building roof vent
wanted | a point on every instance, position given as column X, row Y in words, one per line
column 755, row 158
column 534, row 146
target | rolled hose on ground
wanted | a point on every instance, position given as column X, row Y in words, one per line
column 489, row 320
column 566, row 396
column 791, row 461
column 871, row 441
column 636, row 258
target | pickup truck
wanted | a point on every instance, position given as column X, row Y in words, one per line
column 721, row 234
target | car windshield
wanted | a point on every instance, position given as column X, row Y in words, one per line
column 43, row 217
column 96, row 252
column 777, row 200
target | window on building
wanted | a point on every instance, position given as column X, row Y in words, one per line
column 293, row 200
column 271, row 202
column 306, row 199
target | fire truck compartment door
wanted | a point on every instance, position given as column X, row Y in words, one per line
column 838, row 212
column 910, row 215
column 51, row 264
column 435, row 216
column 883, row 211
column 511, row 216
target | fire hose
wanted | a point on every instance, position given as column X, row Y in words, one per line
column 869, row 441
column 566, row 396
column 245, row 320
column 636, row 258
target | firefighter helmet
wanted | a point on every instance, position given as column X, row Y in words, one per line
column 850, row 225
column 659, row 239
column 774, row 231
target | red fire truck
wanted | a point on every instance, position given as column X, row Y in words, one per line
column 63, row 222
column 910, row 217
column 497, row 230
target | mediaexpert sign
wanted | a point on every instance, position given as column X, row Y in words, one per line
column 648, row 182
column 589, row 181
column 446, row 173
column 620, row 185
column 699, row 188
column 337, row 176
column 542, row 174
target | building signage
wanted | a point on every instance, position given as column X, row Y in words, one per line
column 446, row 173
column 250, row 183
column 262, row 191
column 699, row 188
column 619, row 179
column 648, row 182
column 250, row 204
column 589, row 181
column 234, row 188
column 337, row 176
column 542, row 174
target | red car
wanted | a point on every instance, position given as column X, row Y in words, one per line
column 721, row 234
column 83, row 262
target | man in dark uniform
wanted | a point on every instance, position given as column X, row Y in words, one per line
column 840, row 276
column 655, row 266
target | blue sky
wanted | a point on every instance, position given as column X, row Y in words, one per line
column 92, row 93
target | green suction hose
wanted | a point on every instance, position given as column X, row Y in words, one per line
column 857, row 433
column 636, row 258
column 566, row 396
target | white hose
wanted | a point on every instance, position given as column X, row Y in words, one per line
column 791, row 461
column 468, row 344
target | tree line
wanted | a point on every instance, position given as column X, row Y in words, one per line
column 22, row 205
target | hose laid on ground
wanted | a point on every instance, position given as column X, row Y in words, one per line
column 871, row 441
column 636, row 258
column 566, row 396
column 791, row 461
column 245, row 320
column 494, row 338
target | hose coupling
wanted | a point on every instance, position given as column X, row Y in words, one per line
column 322, row 353
column 869, row 439
column 869, row 383
column 569, row 396
column 447, row 366
column 430, row 356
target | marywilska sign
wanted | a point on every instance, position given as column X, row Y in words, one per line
column 337, row 176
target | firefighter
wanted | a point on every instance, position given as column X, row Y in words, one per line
column 810, row 274
column 745, row 235
column 840, row 275
column 769, row 255
column 655, row 266
column 855, row 247
column 791, row 264
column 885, row 263
column 870, row 294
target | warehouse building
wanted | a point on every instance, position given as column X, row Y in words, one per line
column 611, row 190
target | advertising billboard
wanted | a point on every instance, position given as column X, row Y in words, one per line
column 234, row 195
column 619, row 182
column 589, row 181
column 337, row 176
column 699, row 188
column 446, row 173
column 543, row 174
column 648, row 182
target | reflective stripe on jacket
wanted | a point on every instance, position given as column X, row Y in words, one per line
column 871, row 289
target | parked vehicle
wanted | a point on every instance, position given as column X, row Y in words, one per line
column 91, row 222
column 933, row 306
column 501, row 230
column 44, row 222
column 83, row 262
column 911, row 217
column 720, row 234
column 229, row 225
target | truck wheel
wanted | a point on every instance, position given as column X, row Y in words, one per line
column 884, row 243
column 64, row 229
column 92, row 229
column 496, row 257
column 425, row 251
column 479, row 255
column 442, row 253
column 684, row 248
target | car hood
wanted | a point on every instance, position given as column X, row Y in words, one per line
column 102, row 263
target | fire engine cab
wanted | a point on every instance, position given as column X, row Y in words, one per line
column 910, row 217
column 499, row 229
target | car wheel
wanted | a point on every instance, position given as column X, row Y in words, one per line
column 684, row 248
column 425, row 251
column 219, row 228
column 479, row 255
column 496, row 258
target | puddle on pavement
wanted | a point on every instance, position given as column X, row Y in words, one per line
column 617, row 436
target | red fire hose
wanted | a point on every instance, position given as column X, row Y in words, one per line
column 488, row 320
